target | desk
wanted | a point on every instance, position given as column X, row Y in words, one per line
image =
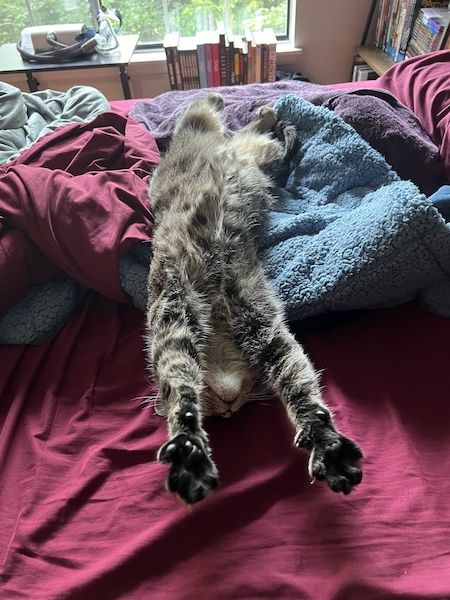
column 11, row 62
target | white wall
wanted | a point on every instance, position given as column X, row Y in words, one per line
column 326, row 30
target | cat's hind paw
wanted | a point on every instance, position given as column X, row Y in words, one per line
column 216, row 100
column 193, row 475
column 333, row 457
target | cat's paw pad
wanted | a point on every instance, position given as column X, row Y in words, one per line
column 267, row 117
column 192, row 474
column 333, row 457
column 216, row 100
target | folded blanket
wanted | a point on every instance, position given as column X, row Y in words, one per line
column 24, row 118
column 376, row 115
column 348, row 233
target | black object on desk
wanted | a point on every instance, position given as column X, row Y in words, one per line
column 11, row 62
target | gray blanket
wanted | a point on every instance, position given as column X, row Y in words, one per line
column 24, row 118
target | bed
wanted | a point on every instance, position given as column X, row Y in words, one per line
column 83, row 509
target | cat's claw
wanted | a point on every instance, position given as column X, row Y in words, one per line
column 192, row 474
column 333, row 457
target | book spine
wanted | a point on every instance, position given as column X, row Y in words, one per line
column 177, row 69
column 230, row 60
column 171, row 68
column 216, row 64
column 209, row 65
column 223, row 60
column 264, row 62
column 257, row 63
column 201, row 66
column 271, row 63
column 380, row 23
column 236, row 66
column 195, row 71
column 407, row 29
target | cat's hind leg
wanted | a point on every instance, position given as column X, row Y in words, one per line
column 177, row 333
column 202, row 115
column 261, row 332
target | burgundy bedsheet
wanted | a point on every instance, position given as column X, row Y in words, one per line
column 83, row 182
column 85, row 516
column 422, row 84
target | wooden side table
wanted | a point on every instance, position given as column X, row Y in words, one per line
column 11, row 62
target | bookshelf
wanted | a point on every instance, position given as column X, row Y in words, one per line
column 375, row 58
column 403, row 29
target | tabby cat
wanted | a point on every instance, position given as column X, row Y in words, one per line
column 215, row 326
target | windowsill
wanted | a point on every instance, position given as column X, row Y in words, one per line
column 158, row 55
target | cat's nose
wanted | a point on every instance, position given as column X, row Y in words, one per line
column 230, row 399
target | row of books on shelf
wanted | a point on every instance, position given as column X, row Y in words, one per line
column 362, row 72
column 215, row 58
column 407, row 28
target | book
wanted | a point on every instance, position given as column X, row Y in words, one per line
column 271, row 40
column 222, row 54
column 200, row 41
column 230, row 56
column 250, row 55
column 170, row 44
column 215, row 57
column 208, row 44
column 429, row 31
column 261, row 52
column 237, row 62
column 187, row 52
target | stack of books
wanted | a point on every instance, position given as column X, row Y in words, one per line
column 215, row 58
column 430, row 31
column 396, row 23
column 362, row 72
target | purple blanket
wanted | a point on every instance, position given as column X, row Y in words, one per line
column 376, row 115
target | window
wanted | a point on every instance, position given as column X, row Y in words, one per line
column 150, row 18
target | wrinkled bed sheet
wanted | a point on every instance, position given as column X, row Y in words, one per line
column 73, row 205
column 83, row 510
column 24, row 118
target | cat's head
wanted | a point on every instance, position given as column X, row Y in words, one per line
column 229, row 381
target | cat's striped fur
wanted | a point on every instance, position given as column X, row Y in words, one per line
column 210, row 303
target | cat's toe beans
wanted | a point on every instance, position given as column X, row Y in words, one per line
column 266, row 112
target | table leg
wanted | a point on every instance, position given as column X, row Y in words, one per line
column 125, row 82
column 33, row 83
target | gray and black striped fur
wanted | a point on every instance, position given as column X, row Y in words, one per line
column 215, row 326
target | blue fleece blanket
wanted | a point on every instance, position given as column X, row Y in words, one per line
column 347, row 233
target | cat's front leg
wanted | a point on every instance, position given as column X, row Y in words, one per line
column 192, row 475
column 265, row 339
column 177, row 329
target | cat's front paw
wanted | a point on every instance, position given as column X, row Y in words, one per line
column 193, row 475
column 333, row 457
